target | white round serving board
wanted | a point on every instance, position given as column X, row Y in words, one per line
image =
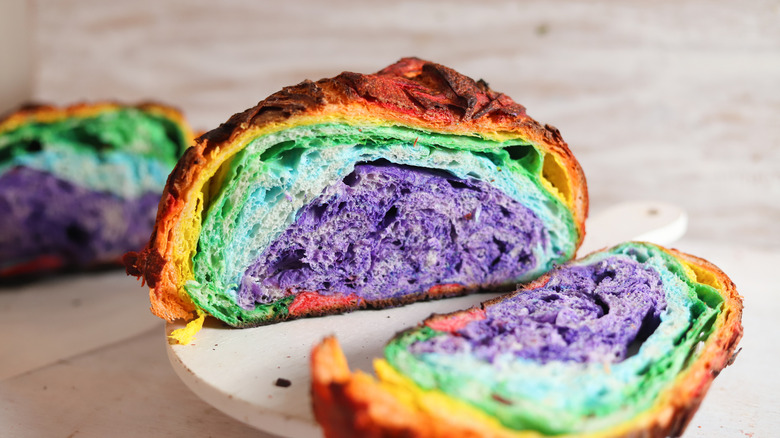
column 236, row 370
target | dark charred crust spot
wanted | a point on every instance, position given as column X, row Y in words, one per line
column 152, row 263
column 733, row 357
column 34, row 106
column 492, row 106
column 500, row 399
column 312, row 313
column 282, row 383
column 181, row 171
column 338, row 90
column 553, row 133
column 218, row 135
column 390, row 92
column 290, row 101
column 460, row 90
column 26, row 108
column 130, row 261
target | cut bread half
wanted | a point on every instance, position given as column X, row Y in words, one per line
column 79, row 185
column 360, row 191
column 622, row 343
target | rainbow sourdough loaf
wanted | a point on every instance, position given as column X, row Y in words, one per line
column 362, row 191
column 623, row 343
column 79, row 186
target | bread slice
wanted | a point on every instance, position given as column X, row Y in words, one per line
column 362, row 191
column 622, row 343
column 79, row 185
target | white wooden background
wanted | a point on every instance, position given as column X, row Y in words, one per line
column 676, row 101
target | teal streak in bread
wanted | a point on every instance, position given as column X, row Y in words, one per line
column 115, row 172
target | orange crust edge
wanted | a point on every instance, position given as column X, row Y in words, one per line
column 348, row 404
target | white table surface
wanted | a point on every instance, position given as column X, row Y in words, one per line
column 129, row 388
column 674, row 101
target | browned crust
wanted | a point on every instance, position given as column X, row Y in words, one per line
column 350, row 404
column 47, row 113
column 719, row 351
column 411, row 92
column 436, row 292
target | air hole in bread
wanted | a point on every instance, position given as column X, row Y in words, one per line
column 526, row 156
column 556, row 176
column 704, row 277
column 649, row 325
column 77, row 234
column 277, row 149
column 493, row 157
